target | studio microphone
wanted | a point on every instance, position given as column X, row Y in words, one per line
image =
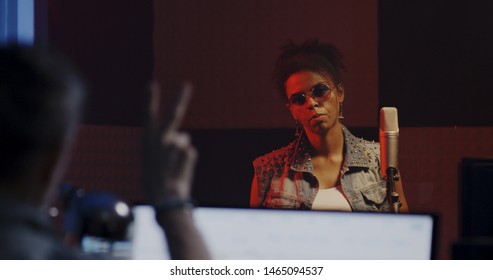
column 389, row 139
column 389, row 146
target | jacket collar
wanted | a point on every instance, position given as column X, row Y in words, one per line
column 354, row 149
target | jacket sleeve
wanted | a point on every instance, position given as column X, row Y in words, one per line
column 258, row 188
column 255, row 197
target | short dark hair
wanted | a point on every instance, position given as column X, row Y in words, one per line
column 310, row 55
column 40, row 102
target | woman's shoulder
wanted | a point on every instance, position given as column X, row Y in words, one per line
column 359, row 150
column 349, row 138
column 276, row 157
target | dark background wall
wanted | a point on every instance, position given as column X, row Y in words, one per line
column 228, row 48
column 110, row 42
column 436, row 61
column 430, row 59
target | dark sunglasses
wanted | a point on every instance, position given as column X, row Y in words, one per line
column 319, row 92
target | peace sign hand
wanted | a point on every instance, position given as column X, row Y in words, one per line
column 169, row 158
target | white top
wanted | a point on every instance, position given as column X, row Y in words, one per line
column 331, row 199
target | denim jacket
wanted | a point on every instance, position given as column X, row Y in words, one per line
column 285, row 177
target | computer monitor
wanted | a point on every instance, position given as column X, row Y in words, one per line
column 235, row 233
column 475, row 210
column 475, row 198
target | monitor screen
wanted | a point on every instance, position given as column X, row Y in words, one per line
column 235, row 233
column 476, row 191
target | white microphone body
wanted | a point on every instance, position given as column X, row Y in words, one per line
column 389, row 151
column 389, row 139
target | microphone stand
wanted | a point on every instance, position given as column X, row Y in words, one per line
column 393, row 196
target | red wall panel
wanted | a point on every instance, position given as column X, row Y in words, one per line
column 228, row 48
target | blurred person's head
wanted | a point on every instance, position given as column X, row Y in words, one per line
column 40, row 103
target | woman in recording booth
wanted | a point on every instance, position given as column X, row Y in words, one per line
column 326, row 167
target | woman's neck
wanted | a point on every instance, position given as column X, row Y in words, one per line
column 327, row 144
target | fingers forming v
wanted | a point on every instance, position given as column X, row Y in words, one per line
column 175, row 112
